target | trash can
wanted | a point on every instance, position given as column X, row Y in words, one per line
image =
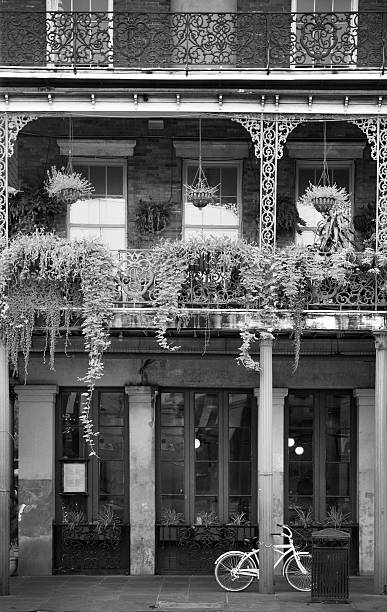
column 330, row 565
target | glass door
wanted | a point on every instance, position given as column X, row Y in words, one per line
column 206, row 455
column 107, row 477
column 320, row 453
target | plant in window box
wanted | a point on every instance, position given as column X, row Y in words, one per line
column 242, row 526
column 152, row 217
column 169, row 519
column 108, row 524
column 67, row 186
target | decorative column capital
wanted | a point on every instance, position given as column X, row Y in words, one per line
column 380, row 341
column 36, row 393
column 141, row 390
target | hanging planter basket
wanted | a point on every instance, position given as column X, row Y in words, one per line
column 66, row 187
column 200, row 193
column 326, row 198
column 67, row 196
column 324, row 204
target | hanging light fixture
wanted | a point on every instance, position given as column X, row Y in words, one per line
column 199, row 192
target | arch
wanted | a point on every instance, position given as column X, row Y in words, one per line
column 10, row 126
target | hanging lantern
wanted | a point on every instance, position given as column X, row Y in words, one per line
column 199, row 192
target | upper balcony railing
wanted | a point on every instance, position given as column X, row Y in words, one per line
column 193, row 41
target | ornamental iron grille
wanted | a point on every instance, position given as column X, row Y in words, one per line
column 10, row 126
column 194, row 548
column 83, row 548
column 212, row 284
column 260, row 40
column 269, row 137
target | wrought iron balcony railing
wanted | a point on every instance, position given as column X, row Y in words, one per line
column 213, row 283
column 189, row 41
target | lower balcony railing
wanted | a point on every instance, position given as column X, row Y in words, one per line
column 192, row 549
column 84, row 549
column 228, row 41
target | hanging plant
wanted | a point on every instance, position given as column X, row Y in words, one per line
column 44, row 280
column 152, row 217
column 67, row 186
column 31, row 208
column 325, row 198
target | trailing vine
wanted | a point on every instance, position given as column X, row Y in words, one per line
column 44, row 280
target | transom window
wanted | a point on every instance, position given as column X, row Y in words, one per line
column 206, row 454
column 104, row 214
column 320, row 454
column 223, row 217
column 107, row 477
column 340, row 172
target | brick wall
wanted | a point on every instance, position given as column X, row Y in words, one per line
column 155, row 172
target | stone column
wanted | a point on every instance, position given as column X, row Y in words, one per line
column 36, row 477
column 365, row 478
column 5, row 470
column 279, row 395
column 265, row 466
column 142, row 499
column 380, row 556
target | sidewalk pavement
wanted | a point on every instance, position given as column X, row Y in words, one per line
column 171, row 594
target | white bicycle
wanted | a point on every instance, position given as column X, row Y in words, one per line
column 235, row 570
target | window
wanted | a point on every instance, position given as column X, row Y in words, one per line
column 206, row 453
column 320, row 453
column 107, row 478
column 321, row 39
column 340, row 173
column 223, row 217
column 103, row 215
column 82, row 38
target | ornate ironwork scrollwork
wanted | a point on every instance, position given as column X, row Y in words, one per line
column 269, row 136
column 10, row 126
column 233, row 40
column 375, row 128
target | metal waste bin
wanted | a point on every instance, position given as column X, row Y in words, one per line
column 330, row 565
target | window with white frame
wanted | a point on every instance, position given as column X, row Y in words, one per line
column 321, row 39
column 340, row 173
column 104, row 214
column 223, row 217
column 74, row 39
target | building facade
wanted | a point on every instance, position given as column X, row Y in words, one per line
column 195, row 451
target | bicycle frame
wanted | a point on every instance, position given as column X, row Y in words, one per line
column 285, row 551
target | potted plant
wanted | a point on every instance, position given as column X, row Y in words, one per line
column 67, row 186
column 288, row 220
column 152, row 217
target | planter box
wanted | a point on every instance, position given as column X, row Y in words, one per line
column 83, row 550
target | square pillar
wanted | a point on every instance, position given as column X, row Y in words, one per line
column 36, row 477
column 365, row 399
column 142, row 479
column 380, row 440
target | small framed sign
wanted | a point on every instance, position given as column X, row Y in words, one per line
column 74, row 477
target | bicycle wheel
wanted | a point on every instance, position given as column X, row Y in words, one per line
column 295, row 577
column 226, row 576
